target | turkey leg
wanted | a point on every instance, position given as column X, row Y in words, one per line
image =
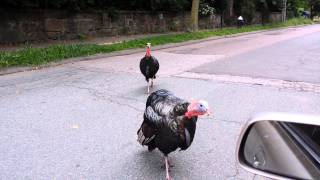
column 167, row 168
column 148, row 89
column 170, row 164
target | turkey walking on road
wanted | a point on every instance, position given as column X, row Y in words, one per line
column 149, row 67
column 169, row 123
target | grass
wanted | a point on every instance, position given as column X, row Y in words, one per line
column 31, row 56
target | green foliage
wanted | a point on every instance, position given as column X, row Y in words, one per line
column 149, row 5
column 302, row 4
column 248, row 9
column 294, row 7
column 55, row 4
column 171, row 5
column 263, row 8
column 36, row 56
column 315, row 7
column 206, row 8
column 275, row 5
column 220, row 5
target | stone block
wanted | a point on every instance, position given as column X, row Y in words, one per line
column 84, row 26
column 55, row 25
column 107, row 32
column 11, row 36
column 106, row 21
column 55, row 35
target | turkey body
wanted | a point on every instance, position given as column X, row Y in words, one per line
column 165, row 125
column 149, row 67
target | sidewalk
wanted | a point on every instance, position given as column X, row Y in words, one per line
column 95, row 40
column 110, row 40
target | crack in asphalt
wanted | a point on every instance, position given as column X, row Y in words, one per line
column 91, row 69
column 236, row 122
column 107, row 97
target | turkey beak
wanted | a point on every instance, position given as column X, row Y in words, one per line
column 209, row 113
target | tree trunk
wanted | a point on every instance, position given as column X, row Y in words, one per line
column 229, row 9
column 311, row 9
column 221, row 19
column 194, row 15
column 284, row 11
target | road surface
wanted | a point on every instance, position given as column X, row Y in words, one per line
column 79, row 120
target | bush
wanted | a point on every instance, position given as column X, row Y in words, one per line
column 206, row 8
column 149, row 5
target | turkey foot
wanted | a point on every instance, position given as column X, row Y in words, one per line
column 151, row 82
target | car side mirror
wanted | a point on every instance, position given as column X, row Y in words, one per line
column 281, row 146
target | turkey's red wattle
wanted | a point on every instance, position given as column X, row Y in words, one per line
column 190, row 114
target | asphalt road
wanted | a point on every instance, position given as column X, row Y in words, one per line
column 298, row 57
column 79, row 121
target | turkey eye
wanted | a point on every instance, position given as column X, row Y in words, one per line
column 201, row 105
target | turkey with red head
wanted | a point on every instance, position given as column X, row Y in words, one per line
column 169, row 123
column 149, row 67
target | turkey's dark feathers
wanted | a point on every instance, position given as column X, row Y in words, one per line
column 163, row 107
column 149, row 67
column 165, row 123
column 153, row 118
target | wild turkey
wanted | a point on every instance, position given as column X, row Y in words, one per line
column 169, row 123
column 149, row 67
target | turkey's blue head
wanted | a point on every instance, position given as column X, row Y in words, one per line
column 197, row 108
column 148, row 54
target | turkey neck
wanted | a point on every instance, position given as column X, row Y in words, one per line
column 148, row 53
column 179, row 112
column 183, row 122
column 186, row 130
column 186, row 120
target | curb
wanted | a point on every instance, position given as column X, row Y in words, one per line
column 12, row 70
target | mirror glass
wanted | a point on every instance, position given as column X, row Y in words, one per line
column 286, row 149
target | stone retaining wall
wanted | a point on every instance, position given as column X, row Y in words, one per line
column 22, row 26
column 42, row 25
column 273, row 17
